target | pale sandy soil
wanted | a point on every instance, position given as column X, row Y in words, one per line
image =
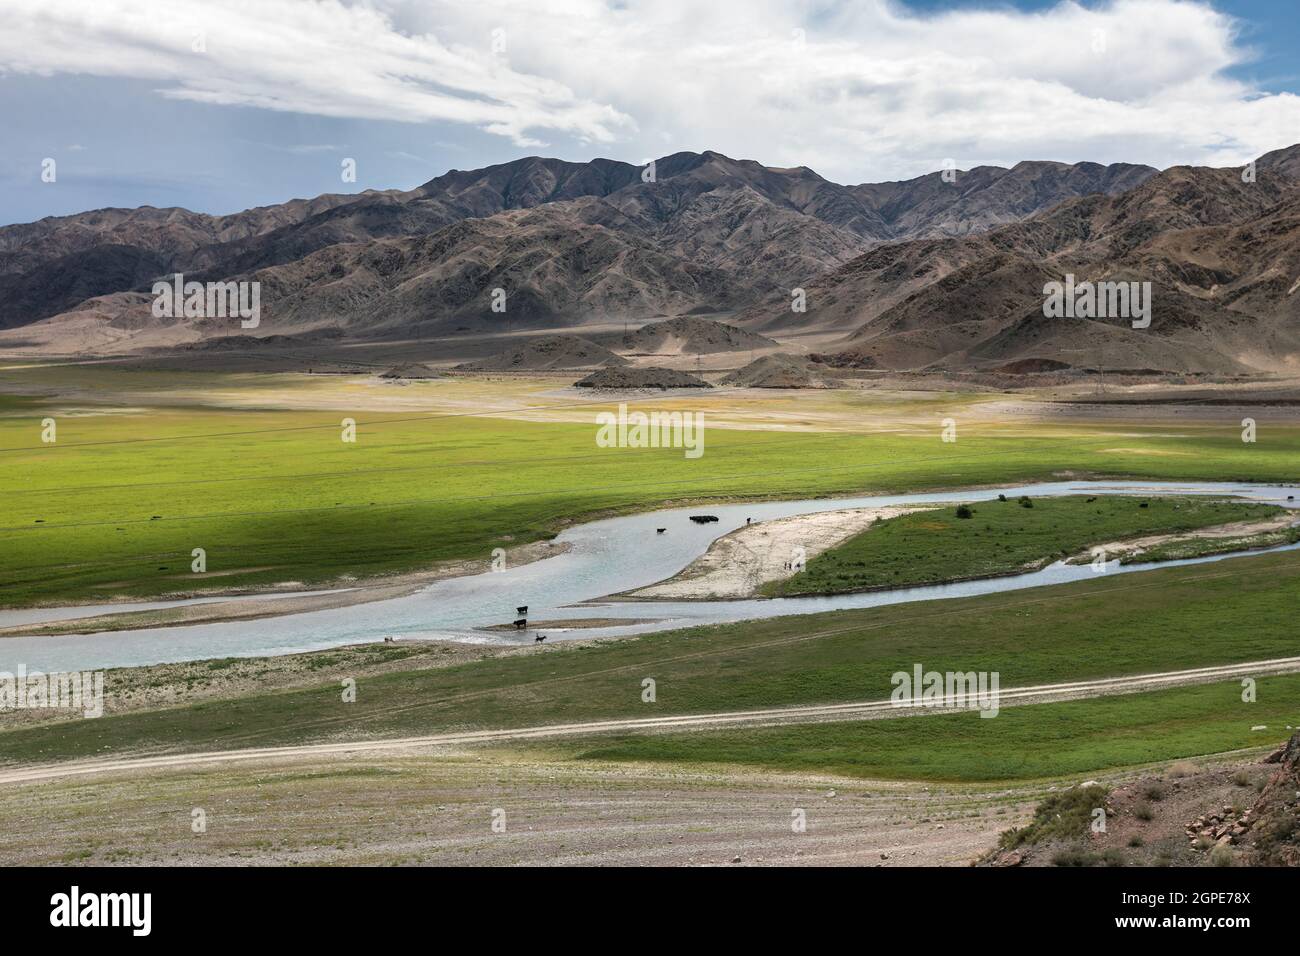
column 421, row 809
column 737, row 564
column 244, row 606
column 1134, row 547
column 412, row 809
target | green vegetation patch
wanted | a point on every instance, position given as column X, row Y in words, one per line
column 1066, row 815
column 1030, row 742
column 1000, row 536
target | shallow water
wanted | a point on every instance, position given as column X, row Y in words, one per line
column 606, row 557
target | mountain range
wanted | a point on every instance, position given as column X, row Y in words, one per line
column 943, row 271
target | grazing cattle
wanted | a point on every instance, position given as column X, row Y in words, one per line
column 660, row 530
column 521, row 623
column 522, row 610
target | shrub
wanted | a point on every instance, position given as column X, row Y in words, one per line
column 1063, row 815
column 1273, row 835
column 1076, row 856
column 1144, row 812
column 1072, row 858
column 964, row 511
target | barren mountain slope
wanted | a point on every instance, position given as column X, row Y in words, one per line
column 545, row 353
column 571, row 243
column 985, row 197
column 171, row 234
column 1222, row 252
column 692, row 336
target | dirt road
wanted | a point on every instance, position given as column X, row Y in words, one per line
column 819, row 713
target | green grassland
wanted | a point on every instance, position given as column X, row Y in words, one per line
column 999, row 537
column 1022, row 743
column 133, row 485
column 1238, row 609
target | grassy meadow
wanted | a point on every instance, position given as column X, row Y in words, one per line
column 1032, row 742
column 999, row 537
column 151, row 465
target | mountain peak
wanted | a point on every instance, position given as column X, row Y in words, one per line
column 1284, row 161
column 584, row 239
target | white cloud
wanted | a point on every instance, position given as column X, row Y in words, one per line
column 321, row 57
column 410, row 157
column 302, row 149
column 859, row 90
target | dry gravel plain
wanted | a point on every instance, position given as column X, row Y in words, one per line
column 438, row 810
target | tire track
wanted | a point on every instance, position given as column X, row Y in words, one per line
column 772, row 717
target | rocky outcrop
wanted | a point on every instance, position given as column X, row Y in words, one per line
column 619, row 378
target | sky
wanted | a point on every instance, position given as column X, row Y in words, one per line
column 220, row 105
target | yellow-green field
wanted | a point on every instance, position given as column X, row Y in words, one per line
column 148, row 466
